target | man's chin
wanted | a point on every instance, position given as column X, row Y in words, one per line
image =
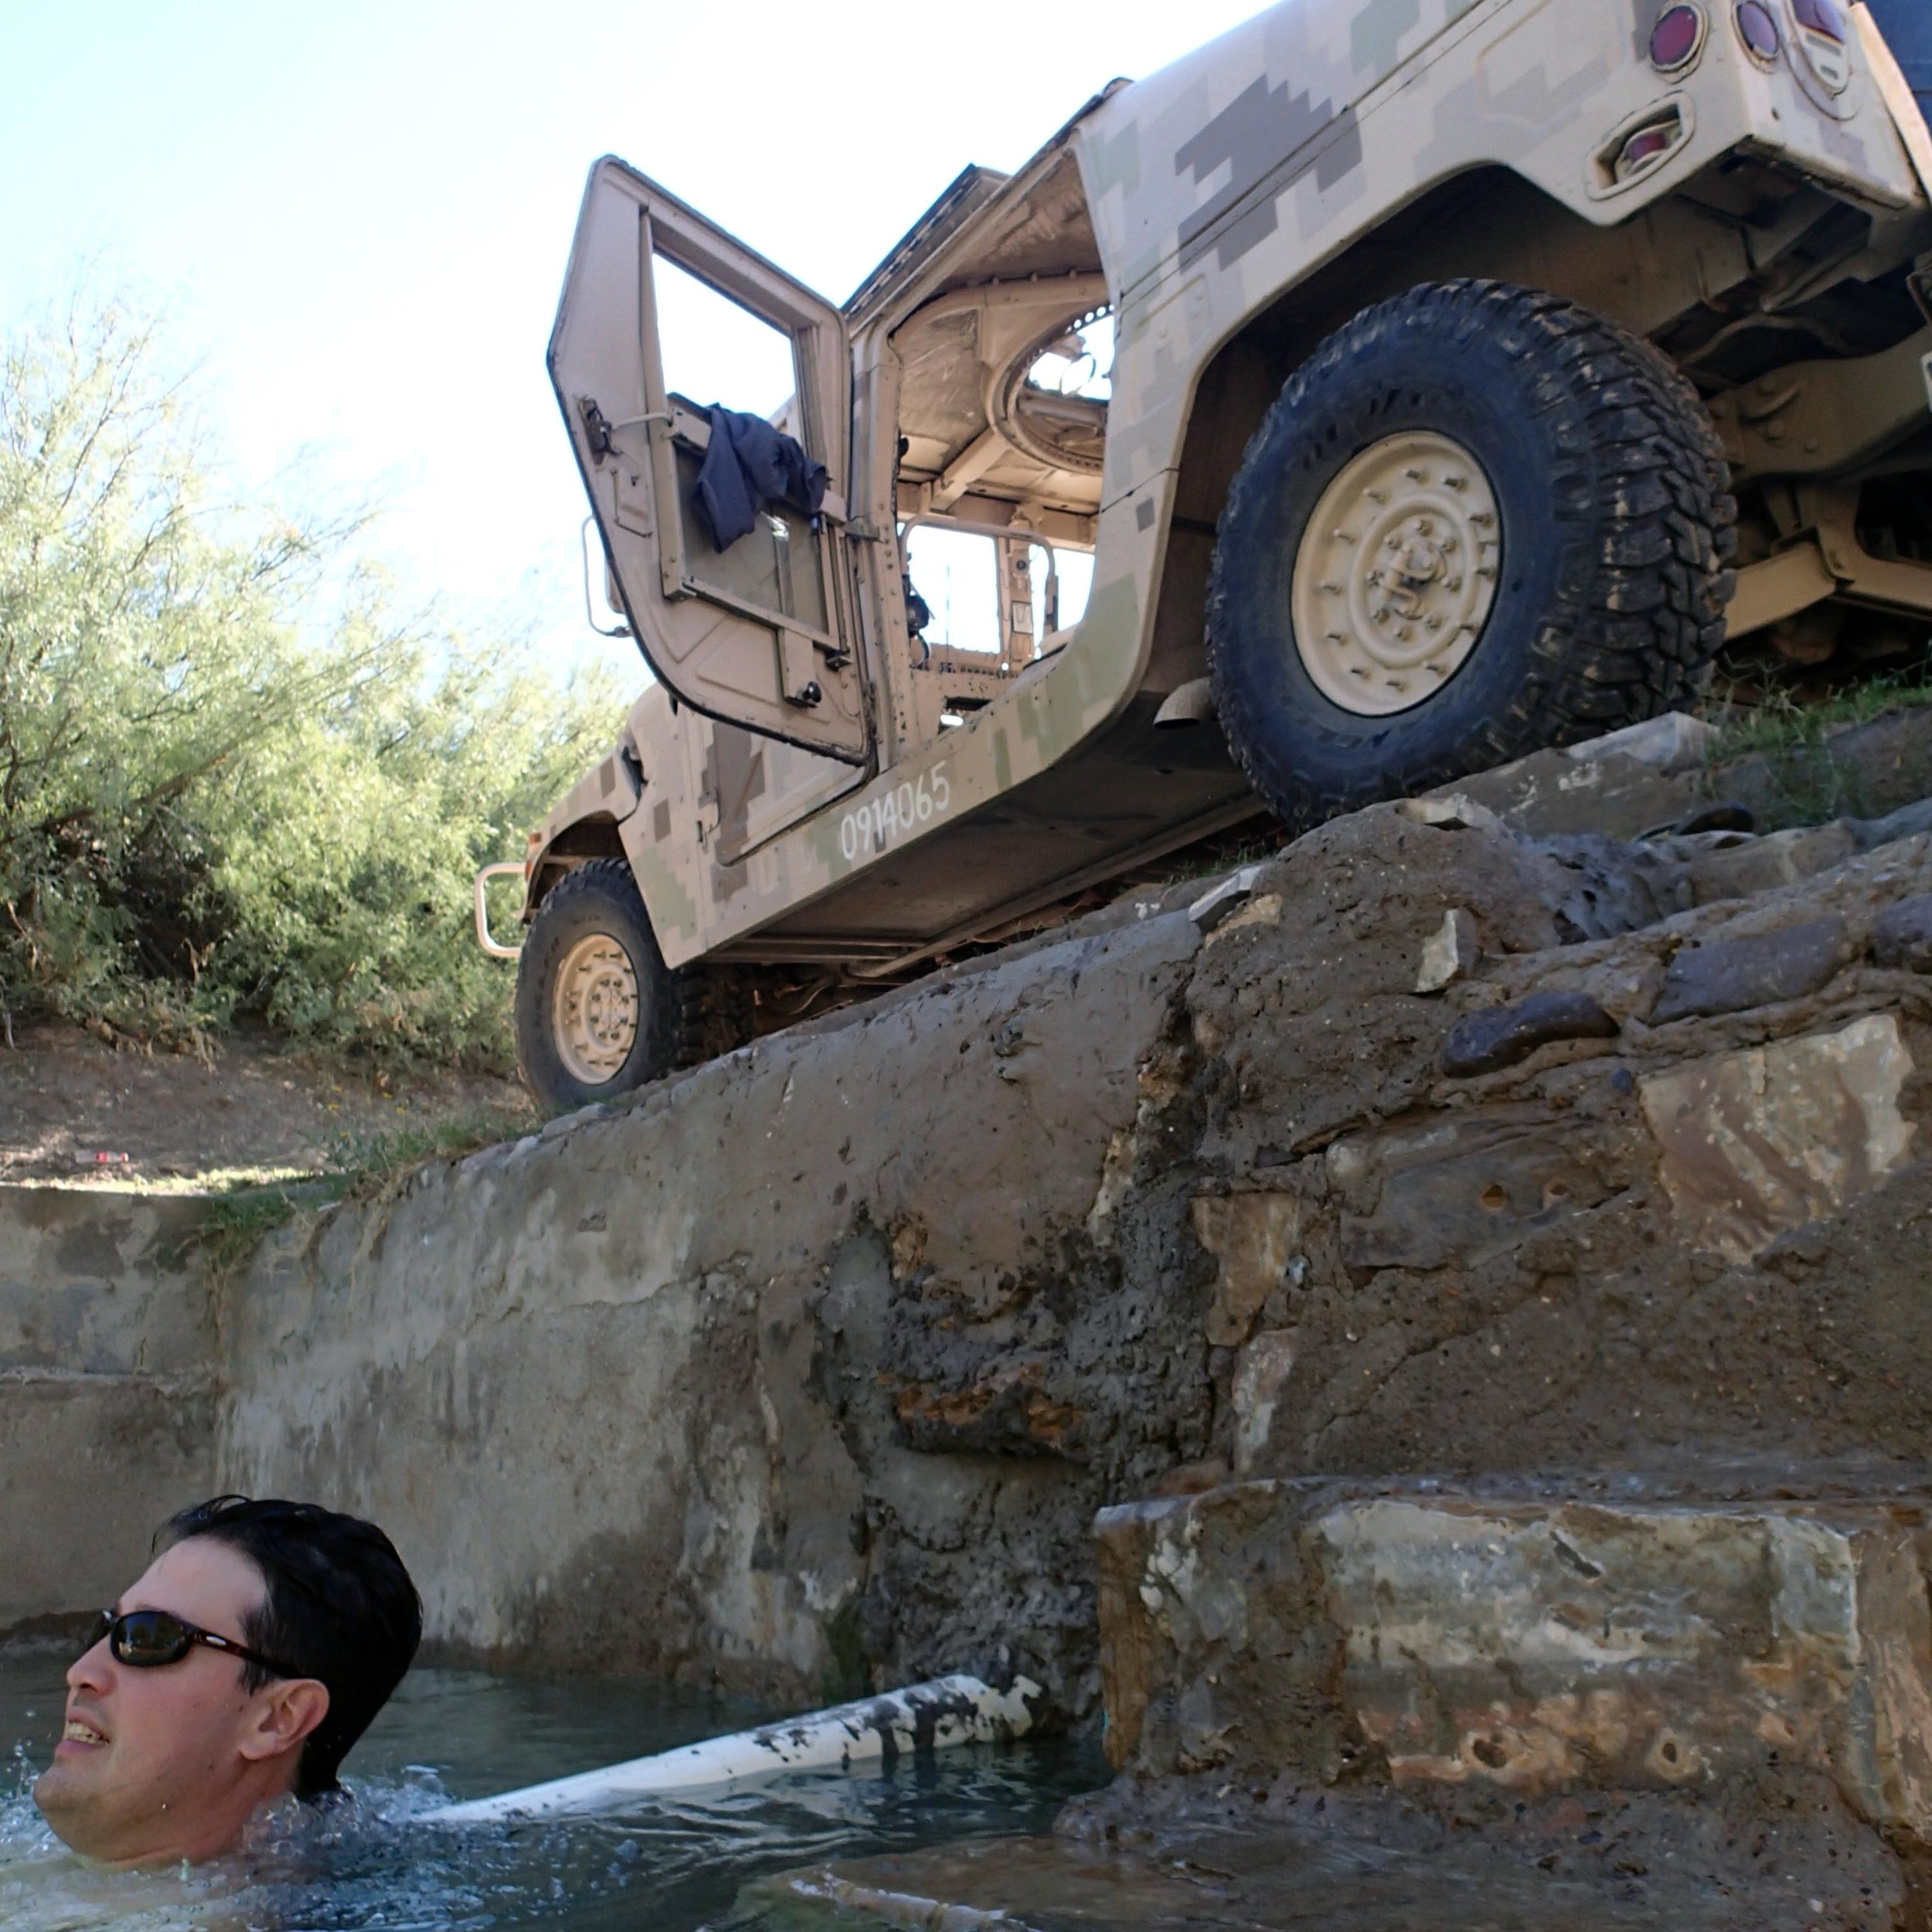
column 65, row 1793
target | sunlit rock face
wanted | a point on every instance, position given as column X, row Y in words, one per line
column 1534, row 1643
column 1473, row 1274
column 811, row 1368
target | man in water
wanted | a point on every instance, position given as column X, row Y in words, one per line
column 261, row 1641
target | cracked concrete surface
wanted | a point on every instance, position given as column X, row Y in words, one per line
column 811, row 1368
column 108, row 1381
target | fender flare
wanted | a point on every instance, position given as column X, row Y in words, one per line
column 584, row 823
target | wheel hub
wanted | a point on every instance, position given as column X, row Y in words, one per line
column 1397, row 574
column 596, row 1015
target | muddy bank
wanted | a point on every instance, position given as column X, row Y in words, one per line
column 76, row 1111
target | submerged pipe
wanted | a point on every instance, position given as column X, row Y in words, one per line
column 947, row 1711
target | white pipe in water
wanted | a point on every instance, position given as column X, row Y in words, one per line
column 947, row 1711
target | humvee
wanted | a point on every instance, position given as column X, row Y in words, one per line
column 1383, row 391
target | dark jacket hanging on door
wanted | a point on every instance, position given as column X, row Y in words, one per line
column 750, row 465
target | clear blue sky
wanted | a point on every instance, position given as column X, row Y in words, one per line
column 357, row 215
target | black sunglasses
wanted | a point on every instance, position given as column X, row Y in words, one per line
column 148, row 1639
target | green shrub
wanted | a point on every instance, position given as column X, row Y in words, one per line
column 232, row 780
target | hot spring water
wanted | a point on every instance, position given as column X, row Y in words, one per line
column 667, row 1864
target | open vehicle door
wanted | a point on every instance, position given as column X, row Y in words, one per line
column 761, row 634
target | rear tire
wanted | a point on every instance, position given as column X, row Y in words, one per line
column 597, row 1010
column 1478, row 522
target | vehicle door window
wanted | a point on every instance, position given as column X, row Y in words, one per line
column 715, row 352
column 957, row 571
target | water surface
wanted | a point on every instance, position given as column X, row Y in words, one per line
column 660, row 1866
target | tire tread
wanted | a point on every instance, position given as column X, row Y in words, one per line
column 1635, row 638
column 663, row 1000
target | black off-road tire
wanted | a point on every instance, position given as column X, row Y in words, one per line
column 597, row 899
column 1616, row 528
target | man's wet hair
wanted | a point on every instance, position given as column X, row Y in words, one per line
column 339, row 1607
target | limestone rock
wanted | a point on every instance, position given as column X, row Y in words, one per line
column 1265, row 1367
column 1536, row 1645
column 1450, row 953
column 1758, row 1142
column 1251, row 1237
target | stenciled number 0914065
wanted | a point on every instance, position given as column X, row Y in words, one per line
column 878, row 821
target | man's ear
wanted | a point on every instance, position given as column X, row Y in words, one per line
column 289, row 1709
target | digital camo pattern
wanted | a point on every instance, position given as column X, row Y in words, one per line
column 1215, row 185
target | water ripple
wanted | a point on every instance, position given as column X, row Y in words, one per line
column 674, row 1864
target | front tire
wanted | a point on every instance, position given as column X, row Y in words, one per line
column 597, row 1010
column 1478, row 520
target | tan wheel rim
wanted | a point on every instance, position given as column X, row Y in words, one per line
column 595, row 1013
column 1396, row 574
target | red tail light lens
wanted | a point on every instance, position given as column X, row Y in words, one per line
column 1677, row 39
column 1642, row 149
column 1820, row 16
column 1756, row 28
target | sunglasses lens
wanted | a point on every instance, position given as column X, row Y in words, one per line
column 144, row 1638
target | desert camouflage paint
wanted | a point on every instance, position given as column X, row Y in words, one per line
column 1213, row 186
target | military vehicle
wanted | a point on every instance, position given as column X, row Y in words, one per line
column 1385, row 390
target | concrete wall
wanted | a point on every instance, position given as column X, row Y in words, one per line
column 815, row 1365
column 649, row 1390
column 812, row 1368
column 108, row 1391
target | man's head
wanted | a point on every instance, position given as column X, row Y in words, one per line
column 316, row 1620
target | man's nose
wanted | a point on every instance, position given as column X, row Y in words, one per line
column 93, row 1669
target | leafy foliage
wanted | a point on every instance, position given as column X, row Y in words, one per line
column 233, row 778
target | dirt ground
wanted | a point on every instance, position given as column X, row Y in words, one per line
column 76, row 1111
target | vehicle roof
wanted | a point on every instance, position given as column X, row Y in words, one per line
column 961, row 199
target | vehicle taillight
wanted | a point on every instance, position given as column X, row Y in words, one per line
column 1820, row 40
column 1643, row 147
column 1677, row 39
column 1756, row 28
column 1820, row 16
